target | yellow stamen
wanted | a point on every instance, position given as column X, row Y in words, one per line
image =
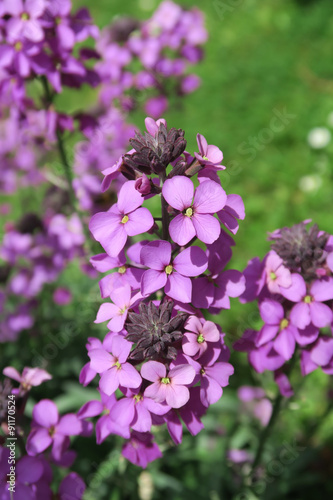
column 189, row 212
column 284, row 323
column 308, row 299
column 200, row 338
column 272, row 276
column 18, row 46
column 169, row 269
column 124, row 219
column 122, row 270
column 165, row 380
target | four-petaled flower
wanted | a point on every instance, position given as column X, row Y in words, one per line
column 172, row 274
column 113, row 367
column 195, row 218
column 198, row 333
column 169, row 387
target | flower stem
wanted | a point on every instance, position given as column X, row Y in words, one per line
column 67, row 168
column 266, row 431
column 165, row 214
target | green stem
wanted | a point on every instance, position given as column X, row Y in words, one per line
column 67, row 168
column 266, row 431
column 165, row 214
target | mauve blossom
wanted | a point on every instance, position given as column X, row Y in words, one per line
column 170, row 388
column 195, row 218
column 31, row 377
column 141, row 449
column 198, row 333
column 26, row 20
column 208, row 155
column 233, row 210
column 116, row 313
column 309, row 307
column 171, row 274
column 112, row 366
column 50, row 429
column 277, row 275
column 62, row 296
column 126, row 218
column 28, row 473
column 72, row 487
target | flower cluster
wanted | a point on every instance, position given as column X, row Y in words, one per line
column 32, row 474
column 162, row 49
column 294, row 289
column 162, row 361
column 34, row 253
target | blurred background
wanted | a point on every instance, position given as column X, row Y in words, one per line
column 266, row 100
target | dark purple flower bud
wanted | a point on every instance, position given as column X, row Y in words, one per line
column 301, row 249
column 154, row 331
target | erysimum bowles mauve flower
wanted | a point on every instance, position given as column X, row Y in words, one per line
column 31, row 377
column 172, row 275
column 113, row 366
column 198, row 333
column 195, row 218
column 209, row 155
column 170, row 388
column 50, row 429
column 126, row 218
column 117, row 312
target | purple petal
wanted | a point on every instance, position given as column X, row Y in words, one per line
column 209, row 198
column 284, row 344
column 179, row 287
column 181, row 229
column 11, row 372
column 109, row 382
column 214, row 154
column 45, row 413
column 322, row 290
column 69, row 425
column 129, row 198
column 210, row 391
column 202, row 144
column 156, row 255
column 153, row 371
column 142, row 421
column 120, row 348
column 322, row 352
column 191, row 262
column 106, row 312
column 178, row 192
column 122, row 296
column 182, row 375
column 220, row 372
column 90, row 409
column 190, row 344
column 177, row 396
column 210, row 332
column 129, row 376
column 267, row 333
column 140, row 221
column 296, row 291
column 100, row 360
column 271, row 312
column 38, row 440
column 300, row 315
column 305, row 337
column 29, row 470
column 321, row 314
column 202, row 292
column 207, row 228
column 152, row 281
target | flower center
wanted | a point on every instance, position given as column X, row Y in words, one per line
column 124, row 219
column 51, row 431
column 25, row 16
column 122, row 270
column 205, row 158
column 137, row 398
column 307, row 299
column 18, row 46
column 272, row 275
column 165, row 380
column 189, row 212
column 117, row 365
column 284, row 323
column 200, row 338
column 202, row 371
column 58, row 20
column 169, row 269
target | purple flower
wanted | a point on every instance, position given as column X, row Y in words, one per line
column 309, row 307
column 71, row 487
column 233, row 210
column 198, row 333
column 277, row 275
column 141, row 449
column 62, row 296
column 172, row 275
column 170, row 388
column 26, row 19
column 31, row 377
column 195, row 218
column 113, row 366
column 124, row 219
column 208, row 155
column 49, row 428
column 117, row 312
